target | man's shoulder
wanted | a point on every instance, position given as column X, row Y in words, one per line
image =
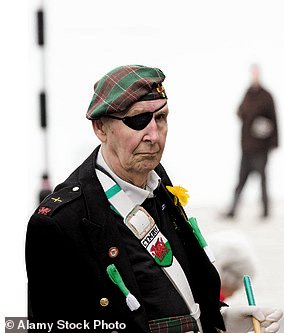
column 62, row 197
column 266, row 93
column 67, row 194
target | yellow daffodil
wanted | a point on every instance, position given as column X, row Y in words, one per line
column 180, row 194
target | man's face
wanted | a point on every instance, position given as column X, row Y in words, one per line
column 130, row 151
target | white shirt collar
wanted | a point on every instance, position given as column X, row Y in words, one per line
column 137, row 194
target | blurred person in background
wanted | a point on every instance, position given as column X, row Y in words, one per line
column 112, row 243
column 259, row 135
column 234, row 259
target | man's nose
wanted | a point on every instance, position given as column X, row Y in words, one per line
column 152, row 132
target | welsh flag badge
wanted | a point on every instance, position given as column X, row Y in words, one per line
column 158, row 246
column 162, row 252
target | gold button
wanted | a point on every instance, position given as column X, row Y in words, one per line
column 104, row 301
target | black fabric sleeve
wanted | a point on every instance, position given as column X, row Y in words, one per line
column 47, row 269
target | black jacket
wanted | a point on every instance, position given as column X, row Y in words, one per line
column 67, row 252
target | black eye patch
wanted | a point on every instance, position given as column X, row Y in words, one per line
column 139, row 121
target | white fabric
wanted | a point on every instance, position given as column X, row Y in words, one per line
column 239, row 319
column 176, row 275
column 209, row 253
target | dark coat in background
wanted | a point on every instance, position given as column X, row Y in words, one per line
column 257, row 103
column 67, row 252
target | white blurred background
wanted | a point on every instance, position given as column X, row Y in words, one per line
column 205, row 48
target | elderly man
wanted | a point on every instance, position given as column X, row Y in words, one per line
column 111, row 247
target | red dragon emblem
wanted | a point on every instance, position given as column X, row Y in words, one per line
column 43, row 210
column 159, row 250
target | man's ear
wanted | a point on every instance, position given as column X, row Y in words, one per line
column 100, row 129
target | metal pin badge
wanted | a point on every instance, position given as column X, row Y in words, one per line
column 113, row 252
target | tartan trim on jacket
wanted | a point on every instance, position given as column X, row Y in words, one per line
column 178, row 324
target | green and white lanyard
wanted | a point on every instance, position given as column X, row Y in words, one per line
column 143, row 226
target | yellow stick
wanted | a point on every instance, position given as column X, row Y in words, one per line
column 256, row 325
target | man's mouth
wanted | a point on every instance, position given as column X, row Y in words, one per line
column 148, row 153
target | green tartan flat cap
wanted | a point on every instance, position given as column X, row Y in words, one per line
column 123, row 86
